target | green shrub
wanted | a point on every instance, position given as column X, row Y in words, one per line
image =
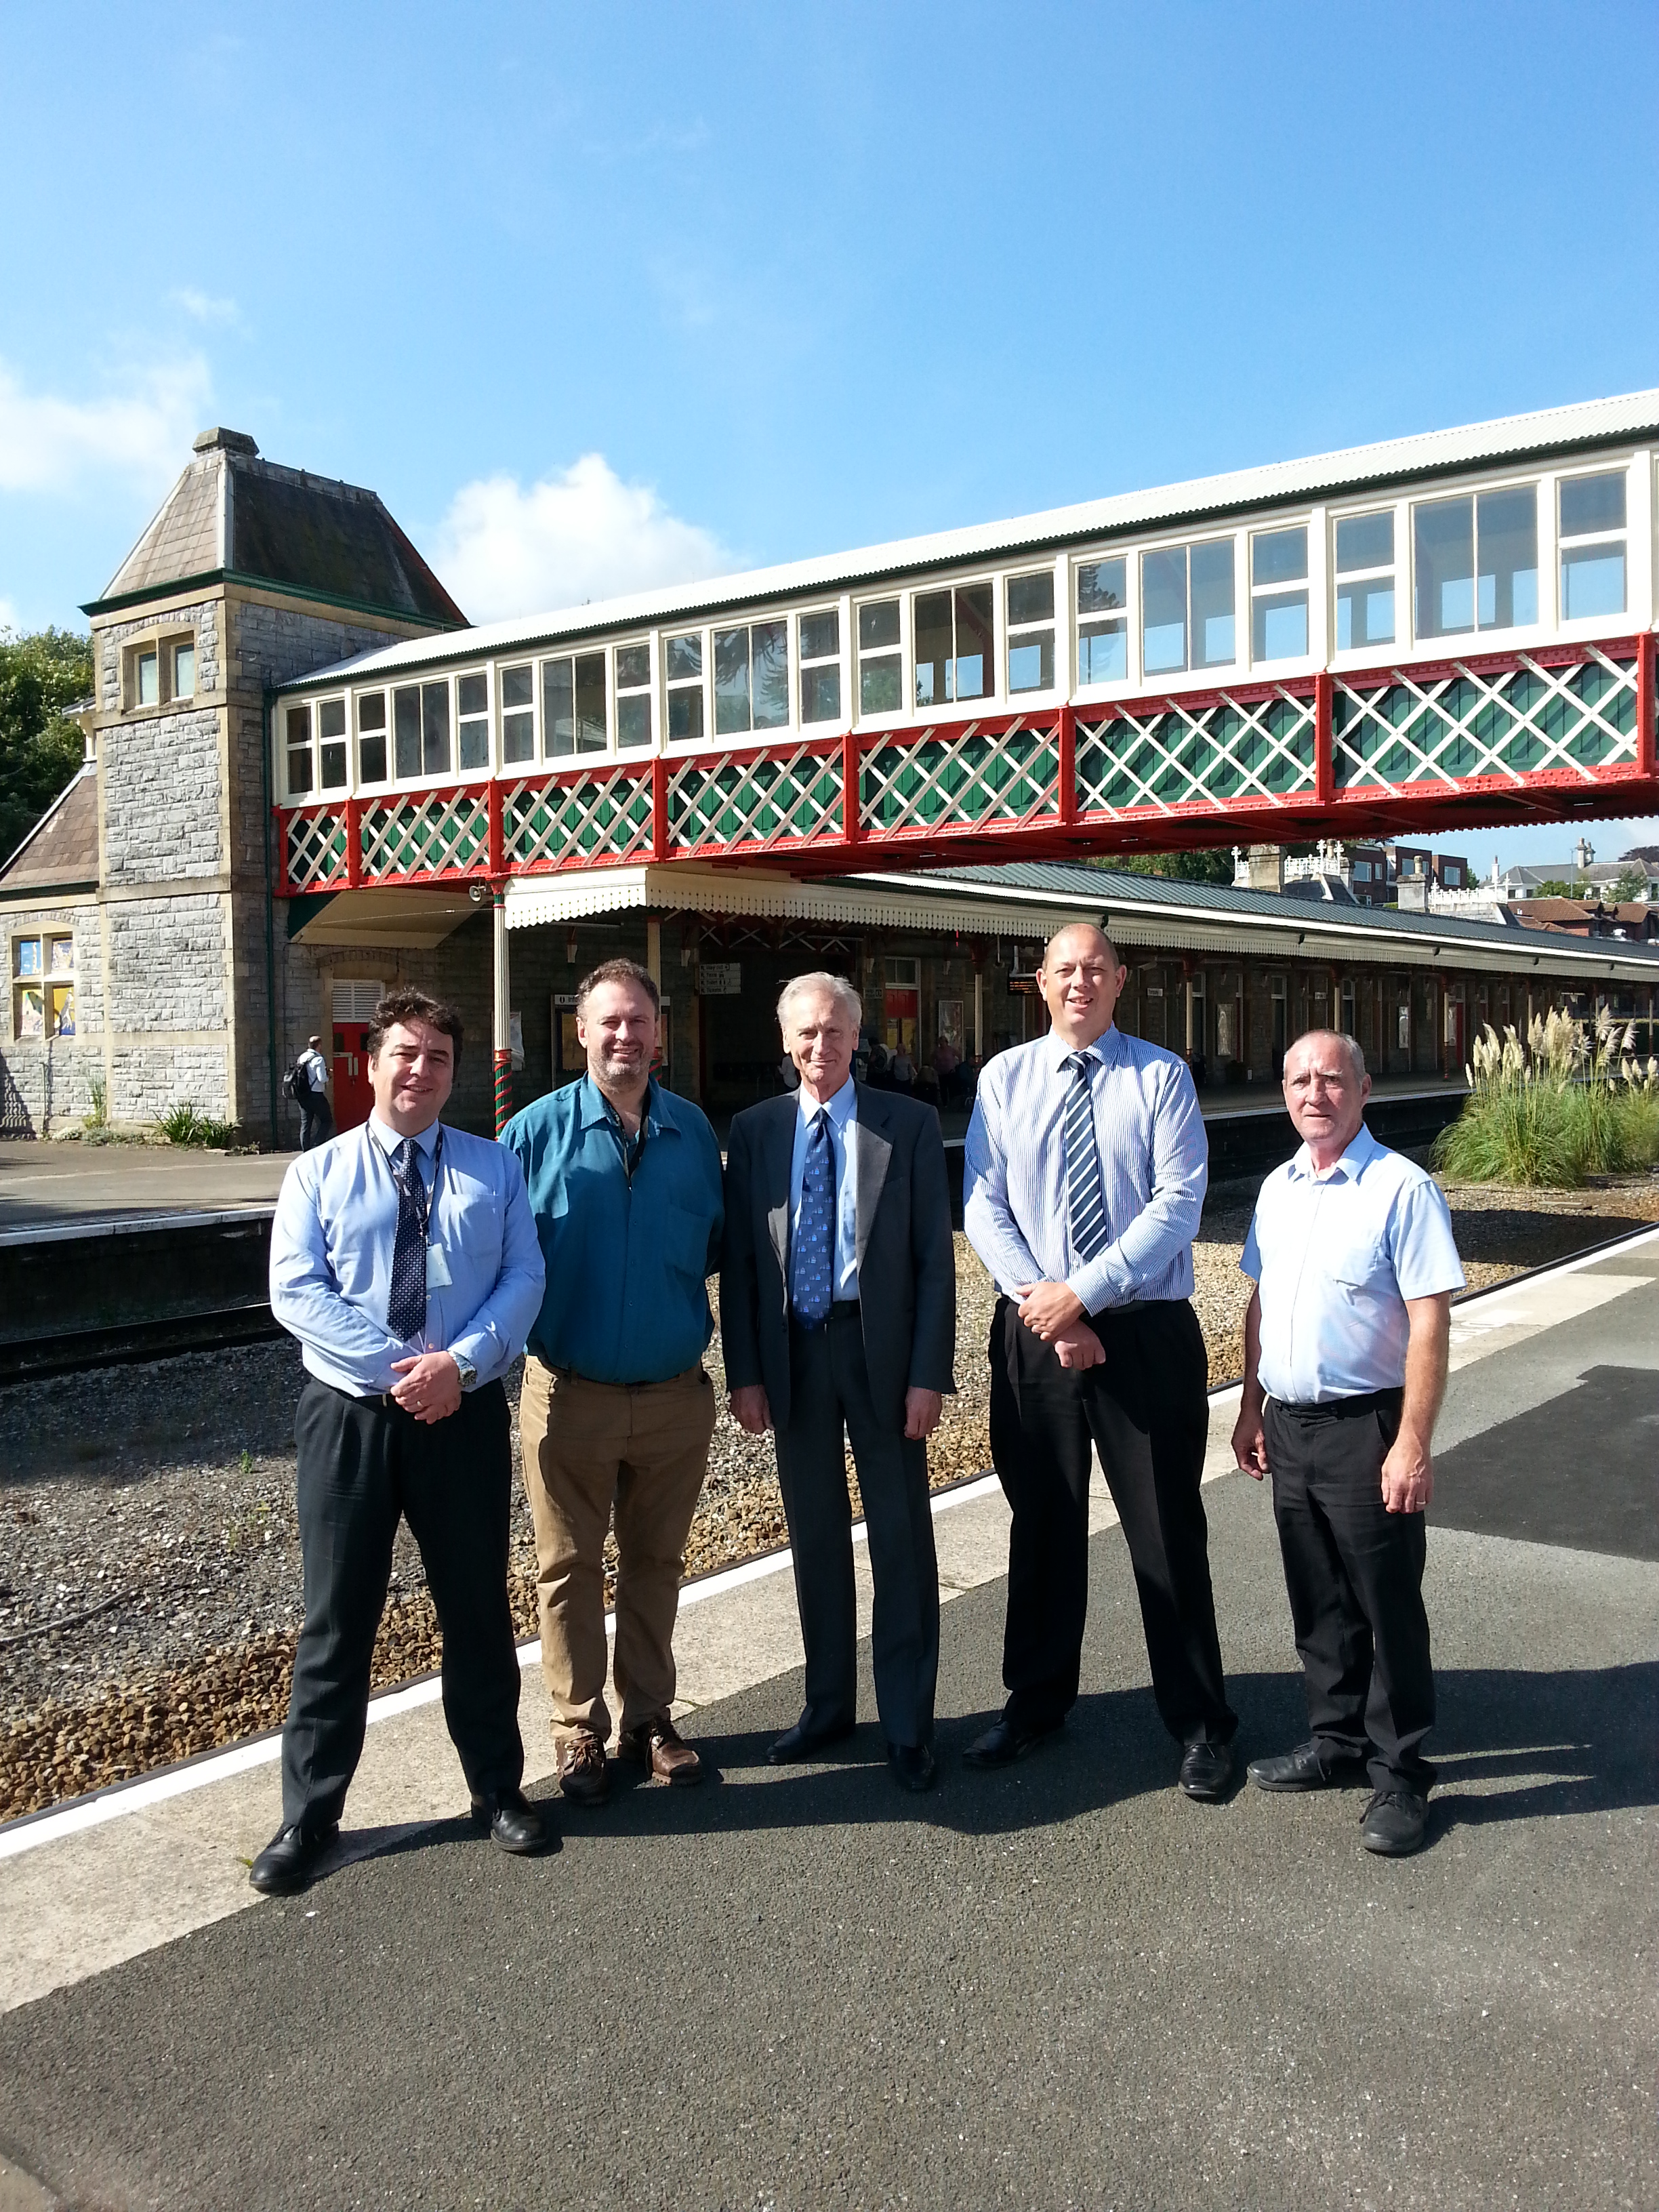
column 1565, row 1105
column 183, row 1125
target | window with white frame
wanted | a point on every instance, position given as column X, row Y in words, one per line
column 1365, row 581
column 43, row 985
column 1476, row 561
column 472, row 718
column 518, row 713
column 331, row 773
column 683, row 675
column 633, row 666
column 1278, row 594
column 183, row 656
column 953, row 636
column 371, row 737
column 420, row 728
column 572, row 705
column 147, row 677
column 881, row 675
column 1592, row 524
column 819, row 646
column 1103, row 629
column 1186, row 607
column 1031, row 632
column 300, row 768
column 752, row 678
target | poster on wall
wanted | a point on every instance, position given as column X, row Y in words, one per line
column 719, row 979
column 31, row 1014
column 569, row 1058
column 949, row 1023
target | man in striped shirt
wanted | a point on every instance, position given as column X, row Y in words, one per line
column 1086, row 1168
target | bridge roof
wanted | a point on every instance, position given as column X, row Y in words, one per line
column 1582, row 426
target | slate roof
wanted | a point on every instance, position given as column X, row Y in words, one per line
column 1114, row 892
column 60, row 853
column 232, row 515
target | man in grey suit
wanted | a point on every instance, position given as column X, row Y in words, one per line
column 838, row 1314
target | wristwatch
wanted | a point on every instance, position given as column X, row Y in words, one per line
column 465, row 1368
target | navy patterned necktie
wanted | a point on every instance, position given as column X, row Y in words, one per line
column 1085, row 1204
column 405, row 1313
column 811, row 1263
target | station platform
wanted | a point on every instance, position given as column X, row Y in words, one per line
column 1061, row 1984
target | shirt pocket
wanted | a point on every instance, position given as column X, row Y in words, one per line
column 1354, row 1262
column 683, row 1237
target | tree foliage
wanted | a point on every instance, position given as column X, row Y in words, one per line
column 1212, row 866
column 41, row 748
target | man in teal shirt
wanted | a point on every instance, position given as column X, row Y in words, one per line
column 624, row 1183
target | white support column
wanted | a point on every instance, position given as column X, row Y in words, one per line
column 503, row 1030
column 979, row 1015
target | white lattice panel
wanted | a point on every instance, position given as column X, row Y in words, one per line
column 970, row 779
column 743, row 798
column 1220, row 752
column 604, row 816
column 1523, row 720
column 316, row 849
column 442, row 833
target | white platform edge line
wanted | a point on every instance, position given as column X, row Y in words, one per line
column 239, row 1759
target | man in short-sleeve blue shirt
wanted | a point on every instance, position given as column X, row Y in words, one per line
column 1345, row 1346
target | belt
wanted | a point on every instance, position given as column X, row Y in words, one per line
column 839, row 1309
column 1345, row 1408
column 662, row 1383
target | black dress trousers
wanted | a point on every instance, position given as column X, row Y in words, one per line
column 829, row 1399
column 1147, row 1410
column 1354, row 1572
column 362, row 1464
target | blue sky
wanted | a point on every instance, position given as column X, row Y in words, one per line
column 598, row 297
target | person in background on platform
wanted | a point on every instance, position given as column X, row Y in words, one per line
column 902, row 1069
column 310, row 1095
column 1345, row 1345
column 946, row 1061
column 1086, row 1168
column 838, row 1294
column 404, row 1260
column 617, row 1410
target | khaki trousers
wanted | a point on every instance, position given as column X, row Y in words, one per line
column 642, row 1448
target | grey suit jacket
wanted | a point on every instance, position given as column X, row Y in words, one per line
column 906, row 1257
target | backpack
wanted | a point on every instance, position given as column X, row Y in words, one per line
column 297, row 1086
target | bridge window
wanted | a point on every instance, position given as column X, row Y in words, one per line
column 881, row 683
column 820, row 666
column 1187, row 591
column 420, row 728
column 1102, row 636
column 1477, row 562
column 1365, row 589
column 633, row 695
column 1279, row 615
column 472, row 701
column 332, row 747
column 297, row 731
column 1031, row 632
column 955, row 644
column 519, row 712
column 572, row 705
column 685, row 687
column 371, row 737
column 752, row 678
column 1592, row 559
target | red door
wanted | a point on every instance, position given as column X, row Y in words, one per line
column 353, row 1099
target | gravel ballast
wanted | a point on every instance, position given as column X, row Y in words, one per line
column 150, row 1559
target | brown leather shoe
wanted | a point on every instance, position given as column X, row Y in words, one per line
column 584, row 1779
column 659, row 1746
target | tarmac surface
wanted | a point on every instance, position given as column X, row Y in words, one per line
column 1060, row 1985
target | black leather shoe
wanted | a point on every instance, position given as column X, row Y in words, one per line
column 1206, row 1771
column 1393, row 1823
column 514, row 1824
column 913, row 1765
column 802, row 1742
column 1303, row 1768
column 1005, row 1742
column 285, row 1863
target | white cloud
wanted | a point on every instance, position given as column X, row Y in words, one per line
column 141, row 434
column 9, row 620
column 505, row 549
column 203, row 308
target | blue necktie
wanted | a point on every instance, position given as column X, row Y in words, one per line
column 405, row 1312
column 1085, row 1206
column 811, row 1263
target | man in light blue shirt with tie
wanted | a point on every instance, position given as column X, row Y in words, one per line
column 1346, row 1350
column 1085, row 1174
column 404, row 1259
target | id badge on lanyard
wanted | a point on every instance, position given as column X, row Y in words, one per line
column 438, row 1277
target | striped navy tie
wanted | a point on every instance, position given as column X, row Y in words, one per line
column 1086, row 1205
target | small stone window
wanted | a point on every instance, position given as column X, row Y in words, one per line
column 43, row 986
column 159, row 672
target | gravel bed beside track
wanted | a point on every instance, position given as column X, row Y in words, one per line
column 149, row 1562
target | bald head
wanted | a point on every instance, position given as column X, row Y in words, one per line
column 1080, row 979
